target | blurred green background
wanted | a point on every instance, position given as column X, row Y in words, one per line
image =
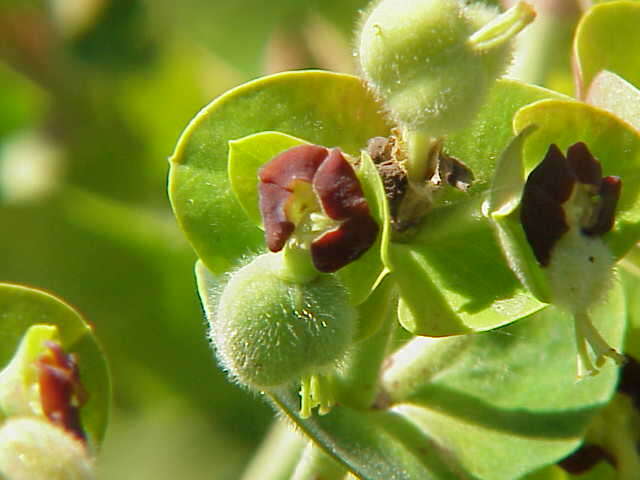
column 93, row 96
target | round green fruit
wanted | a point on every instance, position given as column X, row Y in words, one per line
column 433, row 61
column 33, row 448
column 269, row 331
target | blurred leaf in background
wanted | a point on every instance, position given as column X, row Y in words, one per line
column 93, row 95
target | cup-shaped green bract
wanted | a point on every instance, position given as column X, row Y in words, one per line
column 423, row 59
column 268, row 331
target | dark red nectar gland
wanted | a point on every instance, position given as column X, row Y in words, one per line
column 61, row 392
column 567, row 192
column 310, row 195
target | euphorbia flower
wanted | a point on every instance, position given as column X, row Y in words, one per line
column 566, row 208
column 310, row 196
column 562, row 193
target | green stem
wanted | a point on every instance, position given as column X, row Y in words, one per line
column 419, row 360
column 586, row 333
column 624, row 444
column 295, row 265
column 278, row 455
column 422, row 155
column 585, row 367
column 315, row 464
column 359, row 380
column 420, row 161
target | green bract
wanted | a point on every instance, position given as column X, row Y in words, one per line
column 614, row 94
column 463, row 302
column 449, row 278
column 325, row 108
column 606, row 39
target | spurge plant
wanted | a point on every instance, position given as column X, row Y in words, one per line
column 423, row 252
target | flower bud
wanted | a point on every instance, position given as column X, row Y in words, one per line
column 433, row 61
column 269, row 331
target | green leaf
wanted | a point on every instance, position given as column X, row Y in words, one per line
column 494, row 405
column 22, row 307
column 212, row 24
column 508, row 179
column 605, row 39
column 315, row 464
column 480, row 144
column 452, row 276
column 629, row 274
column 22, row 101
column 324, row 108
column 612, row 141
column 362, row 276
column 610, row 92
column 374, row 445
column 520, row 255
column 503, row 205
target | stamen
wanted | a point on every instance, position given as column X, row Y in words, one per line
column 316, row 391
column 305, row 397
column 606, row 209
column 586, row 333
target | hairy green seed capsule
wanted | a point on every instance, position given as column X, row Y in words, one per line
column 270, row 332
column 33, row 448
column 433, row 61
